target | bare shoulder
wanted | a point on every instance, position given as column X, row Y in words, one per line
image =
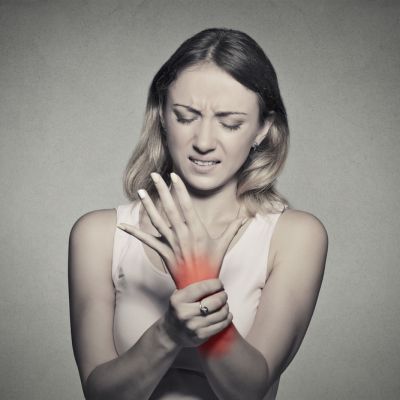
column 95, row 224
column 90, row 255
column 295, row 229
column 91, row 241
column 294, row 222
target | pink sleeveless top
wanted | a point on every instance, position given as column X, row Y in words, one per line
column 142, row 293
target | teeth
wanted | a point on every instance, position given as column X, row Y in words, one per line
column 204, row 162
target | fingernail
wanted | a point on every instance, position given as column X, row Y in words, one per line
column 174, row 177
column 244, row 221
column 120, row 226
column 141, row 193
column 155, row 177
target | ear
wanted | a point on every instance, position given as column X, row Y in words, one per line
column 160, row 114
column 264, row 129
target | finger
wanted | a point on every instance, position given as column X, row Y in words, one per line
column 189, row 213
column 173, row 215
column 155, row 217
column 213, row 302
column 198, row 290
column 215, row 328
column 213, row 318
column 167, row 201
column 151, row 241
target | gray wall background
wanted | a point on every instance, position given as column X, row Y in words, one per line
column 73, row 82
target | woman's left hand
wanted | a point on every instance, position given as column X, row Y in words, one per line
column 185, row 245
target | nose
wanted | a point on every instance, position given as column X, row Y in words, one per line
column 204, row 139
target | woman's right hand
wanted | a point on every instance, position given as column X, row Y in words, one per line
column 189, row 252
column 183, row 321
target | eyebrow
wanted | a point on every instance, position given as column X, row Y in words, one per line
column 218, row 114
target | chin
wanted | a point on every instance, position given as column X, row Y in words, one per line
column 202, row 184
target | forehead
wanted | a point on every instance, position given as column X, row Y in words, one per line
column 208, row 87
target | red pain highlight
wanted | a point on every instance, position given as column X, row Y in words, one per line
column 196, row 271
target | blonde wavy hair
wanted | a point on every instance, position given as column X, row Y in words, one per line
column 240, row 56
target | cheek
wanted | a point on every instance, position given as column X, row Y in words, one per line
column 240, row 149
column 176, row 143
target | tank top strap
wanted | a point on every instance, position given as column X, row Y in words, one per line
column 259, row 238
column 128, row 214
column 269, row 221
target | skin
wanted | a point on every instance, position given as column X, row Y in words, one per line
column 196, row 206
column 195, row 128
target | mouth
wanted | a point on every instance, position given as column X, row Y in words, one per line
column 204, row 162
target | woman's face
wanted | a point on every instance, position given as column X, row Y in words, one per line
column 211, row 122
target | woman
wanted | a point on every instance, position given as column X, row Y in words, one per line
column 207, row 285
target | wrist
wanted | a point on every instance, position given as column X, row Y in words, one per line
column 219, row 344
column 168, row 334
column 200, row 269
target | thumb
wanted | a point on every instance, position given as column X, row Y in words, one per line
column 230, row 232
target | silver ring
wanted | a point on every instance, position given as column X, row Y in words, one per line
column 203, row 309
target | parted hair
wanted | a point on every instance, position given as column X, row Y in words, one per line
column 240, row 56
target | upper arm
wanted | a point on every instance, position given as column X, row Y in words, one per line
column 91, row 291
column 290, row 293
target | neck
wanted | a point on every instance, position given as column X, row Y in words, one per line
column 217, row 206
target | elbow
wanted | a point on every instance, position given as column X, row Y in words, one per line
column 254, row 386
column 89, row 387
column 98, row 387
column 92, row 387
column 265, row 383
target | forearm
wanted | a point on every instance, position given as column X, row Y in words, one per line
column 136, row 373
column 241, row 372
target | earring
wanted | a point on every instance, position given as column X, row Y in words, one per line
column 164, row 135
column 162, row 123
column 254, row 147
column 162, row 128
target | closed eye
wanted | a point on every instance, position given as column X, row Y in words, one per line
column 184, row 120
column 231, row 127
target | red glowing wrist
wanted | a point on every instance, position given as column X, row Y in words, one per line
column 197, row 271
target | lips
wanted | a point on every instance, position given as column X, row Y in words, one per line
column 204, row 161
